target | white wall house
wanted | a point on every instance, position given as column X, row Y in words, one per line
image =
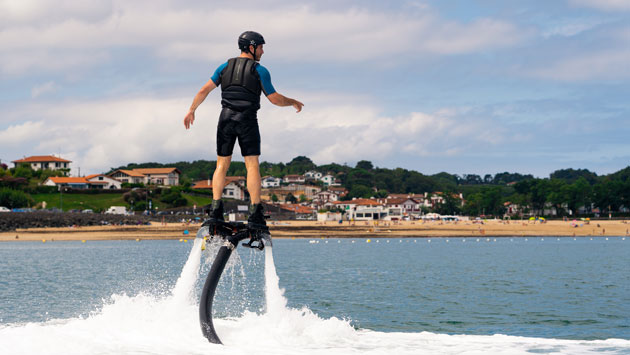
column 324, row 197
column 234, row 187
column 101, row 181
column 70, row 182
column 44, row 162
column 127, row 176
column 296, row 179
column 328, row 179
column 270, row 181
column 152, row 176
column 312, row 174
column 96, row 181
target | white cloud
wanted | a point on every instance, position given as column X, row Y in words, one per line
column 45, row 88
column 606, row 5
column 294, row 33
column 37, row 12
column 19, row 134
column 607, row 64
column 97, row 135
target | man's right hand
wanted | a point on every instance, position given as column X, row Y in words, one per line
column 189, row 119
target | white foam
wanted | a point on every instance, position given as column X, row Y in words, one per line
column 146, row 324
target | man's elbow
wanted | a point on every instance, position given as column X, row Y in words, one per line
column 275, row 98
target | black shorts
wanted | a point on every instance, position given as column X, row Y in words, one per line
column 232, row 125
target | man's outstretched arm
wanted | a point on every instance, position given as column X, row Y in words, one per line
column 201, row 95
column 281, row 100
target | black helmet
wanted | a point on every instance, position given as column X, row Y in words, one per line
column 250, row 38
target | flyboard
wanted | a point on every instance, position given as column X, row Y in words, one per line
column 231, row 233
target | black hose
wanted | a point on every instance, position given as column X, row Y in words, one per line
column 233, row 234
column 207, row 295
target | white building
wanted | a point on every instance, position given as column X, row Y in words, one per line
column 312, row 174
column 234, row 187
column 328, row 179
column 96, row 181
column 101, row 181
column 325, row 197
column 270, row 181
column 149, row 176
column 44, row 162
column 295, row 179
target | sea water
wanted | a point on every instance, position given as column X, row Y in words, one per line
column 324, row 296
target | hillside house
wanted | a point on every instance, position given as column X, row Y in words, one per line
column 234, row 187
column 294, row 179
column 148, row 176
column 407, row 205
column 312, row 174
column 40, row 162
column 270, row 182
column 101, row 181
column 69, row 182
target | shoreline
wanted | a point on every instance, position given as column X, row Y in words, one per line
column 317, row 230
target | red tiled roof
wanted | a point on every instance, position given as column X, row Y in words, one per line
column 129, row 173
column 203, row 184
column 42, row 159
column 399, row 201
column 207, row 184
column 68, row 180
column 358, row 202
column 333, row 188
column 92, row 176
column 296, row 208
column 157, row 170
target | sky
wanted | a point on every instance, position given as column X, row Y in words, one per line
column 461, row 86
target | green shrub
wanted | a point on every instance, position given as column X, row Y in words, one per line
column 14, row 198
column 41, row 189
column 23, row 171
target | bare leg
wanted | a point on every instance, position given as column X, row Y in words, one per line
column 253, row 178
column 218, row 178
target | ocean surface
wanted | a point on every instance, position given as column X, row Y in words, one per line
column 542, row 295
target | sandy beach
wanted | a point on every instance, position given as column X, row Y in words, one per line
column 312, row 229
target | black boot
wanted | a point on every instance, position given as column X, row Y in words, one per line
column 216, row 213
column 256, row 216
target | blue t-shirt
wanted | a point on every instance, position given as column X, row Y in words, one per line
column 263, row 73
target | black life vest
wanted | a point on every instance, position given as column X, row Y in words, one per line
column 240, row 86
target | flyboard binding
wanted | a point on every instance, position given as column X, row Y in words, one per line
column 231, row 233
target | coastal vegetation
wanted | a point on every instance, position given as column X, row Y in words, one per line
column 567, row 191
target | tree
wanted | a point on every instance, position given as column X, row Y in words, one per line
column 579, row 194
column 571, row 175
column 303, row 198
column 360, row 191
column 23, row 171
column 558, row 195
column 274, row 198
column 290, row 198
column 472, row 179
column 450, row 206
column 365, row 165
column 14, row 198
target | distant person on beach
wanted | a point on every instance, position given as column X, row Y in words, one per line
column 242, row 80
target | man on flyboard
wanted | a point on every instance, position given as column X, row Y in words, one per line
column 242, row 80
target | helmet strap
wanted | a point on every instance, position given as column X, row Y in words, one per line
column 254, row 53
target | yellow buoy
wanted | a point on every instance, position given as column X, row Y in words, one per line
column 368, row 241
column 185, row 240
column 137, row 239
column 83, row 241
column 43, row 240
column 181, row 240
